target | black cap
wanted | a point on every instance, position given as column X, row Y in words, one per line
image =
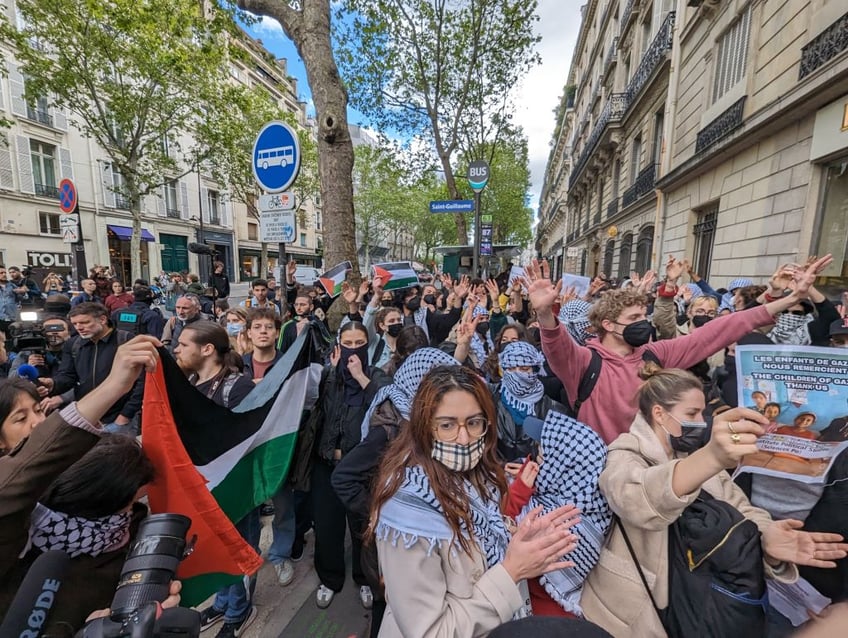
column 550, row 627
column 142, row 293
column 839, row 327
column 57, row 304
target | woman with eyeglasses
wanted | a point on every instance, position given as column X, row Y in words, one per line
column 450, row 564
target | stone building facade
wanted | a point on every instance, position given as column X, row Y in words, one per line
column 741, row 128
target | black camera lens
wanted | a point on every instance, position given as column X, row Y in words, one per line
column 151, row 563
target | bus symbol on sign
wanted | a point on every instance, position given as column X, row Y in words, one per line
column 276, row 157
column 282, row 156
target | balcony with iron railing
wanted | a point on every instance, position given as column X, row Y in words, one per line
column 173, row 213
column 613, row 111
column 824, row 47
column 721, row 126
column 612, row 208
column 39, row 115
column 44, row 190
column 625, row 17
column 612, row 56
column 122, row 202
column 653, row 58
column 643, row 185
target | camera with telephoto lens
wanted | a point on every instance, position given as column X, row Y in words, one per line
column 146, row 577
column 26, row 334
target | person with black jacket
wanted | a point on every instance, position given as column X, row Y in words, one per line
column 220, row 282
column 436, row 325
column 139, row 318
column 87, row 360
column 348, row 387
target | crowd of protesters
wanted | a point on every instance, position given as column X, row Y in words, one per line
column 506, row 456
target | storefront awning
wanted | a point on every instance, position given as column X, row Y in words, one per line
column 124, row 233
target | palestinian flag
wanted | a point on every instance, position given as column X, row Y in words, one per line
column 395, row 274
column 333, row 279
column 215, row 465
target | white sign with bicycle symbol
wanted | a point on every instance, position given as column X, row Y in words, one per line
column 278, row 226
column 276, row 201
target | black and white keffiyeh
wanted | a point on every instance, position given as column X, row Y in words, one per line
column 574, row 315
column 521, row 390
column 406, row 381
column 76, row 535
column 573, row 457
column 481, row 345
column 415, row 513
column 792, row 330
column 420, row 318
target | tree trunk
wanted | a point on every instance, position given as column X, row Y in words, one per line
column 453, row 191
column 263, row 260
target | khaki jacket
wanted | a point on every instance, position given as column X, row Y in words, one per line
column 442, row 594
column 637, row 485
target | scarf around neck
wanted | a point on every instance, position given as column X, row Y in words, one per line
column 573, row 457
column 521, row 391
column 76, row 535
column 792, row 330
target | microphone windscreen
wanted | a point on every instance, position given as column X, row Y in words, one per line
column 28, row 372
column 36, row 596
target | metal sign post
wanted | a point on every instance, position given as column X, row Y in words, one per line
column 71, row 228
column 478, row 177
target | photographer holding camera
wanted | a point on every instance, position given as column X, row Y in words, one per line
column 45, row 357
column 35, row 451
column 26, row 289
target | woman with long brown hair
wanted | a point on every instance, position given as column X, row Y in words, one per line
column 449, row 565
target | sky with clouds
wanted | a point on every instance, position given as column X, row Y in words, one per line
column 535, row 99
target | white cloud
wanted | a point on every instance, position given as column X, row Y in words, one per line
column 538, row 95
column 269, row 26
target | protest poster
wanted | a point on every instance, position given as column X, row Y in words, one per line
column 578, row 282
column 803, row 391
column 516, row 272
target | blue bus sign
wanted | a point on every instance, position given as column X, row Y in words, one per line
column 276, row 157
column 452, row 206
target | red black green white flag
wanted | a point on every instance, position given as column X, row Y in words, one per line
column 333, row 279
column 215, row 465
column 395, row 274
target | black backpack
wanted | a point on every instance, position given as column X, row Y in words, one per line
column 130, row 320
column 716, row 579
column 590, row 379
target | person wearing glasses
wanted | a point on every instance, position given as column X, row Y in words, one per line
column 452, row 564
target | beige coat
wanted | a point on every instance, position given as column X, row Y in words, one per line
column 444, row 594
column 637, row 484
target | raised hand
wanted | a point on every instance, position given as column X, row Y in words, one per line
column 348, row 293
column 804, row 279
column 673, row 269
column 647, row 281
column 377, row 286
column 461, row 289
column 542, row 292
column 336, row 355
column 447, row 281
column 466, row 329
column 494, row 291
column 540, row 542
column 635, row 278
column 363, row 288
column 782, row 279
column 784, row 541
column 569, row 293
column 291, row 270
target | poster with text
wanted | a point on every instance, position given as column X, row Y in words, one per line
column 803, row 392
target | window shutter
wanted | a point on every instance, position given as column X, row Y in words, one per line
column 160, row 203
column 2, row 102
column 67, row 165
column 16, row 90
column 226, row 209
column 106, row 181
column 25, row 165
column 204, row 203
column 60, row 121
column 184, row 200
column 7, row 174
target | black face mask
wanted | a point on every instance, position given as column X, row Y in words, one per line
column 482, row 327
column 639, row 333
column 413, row 304
column 394, row 329
column 347, row 353
column 701, row 320
column 387, row 303
column 430, row 300
column 690, row 440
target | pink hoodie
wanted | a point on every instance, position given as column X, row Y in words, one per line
column 611, row 407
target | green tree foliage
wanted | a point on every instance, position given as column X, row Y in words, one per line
column 135, row 75
column 439, row 69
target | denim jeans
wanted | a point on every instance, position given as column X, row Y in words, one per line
column 130, row 429
column 235, row 600
column 283, row 525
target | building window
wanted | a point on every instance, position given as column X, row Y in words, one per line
column 599, row 205
column 704, row 232
column 48, row 224
column 44, row 168
column 732, row 55
column 609, row 255
column 833, row 227
column 172, row 208
column 635, row 158
column 119, row 188
column 303, row 239
column 659, row 122
column 252, row 231
column 644, row 247
column 213, row 205
column 317, row 220
column 624, row 256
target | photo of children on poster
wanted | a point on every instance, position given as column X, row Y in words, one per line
column 803, row 391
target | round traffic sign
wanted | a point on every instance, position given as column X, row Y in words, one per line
column 67, row 196
column 276, row 157
column 478, row 175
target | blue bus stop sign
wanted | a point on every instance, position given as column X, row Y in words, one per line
column 276, row 157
